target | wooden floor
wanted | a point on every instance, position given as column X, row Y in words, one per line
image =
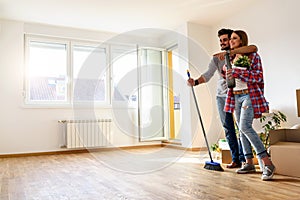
column 148, row 173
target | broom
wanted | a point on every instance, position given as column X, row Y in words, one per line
column 210, row 165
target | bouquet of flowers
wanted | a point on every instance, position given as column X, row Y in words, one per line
column 242, row 61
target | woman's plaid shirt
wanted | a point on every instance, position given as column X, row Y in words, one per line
column 255, row 82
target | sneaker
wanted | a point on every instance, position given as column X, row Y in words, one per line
column 268, row 172
column 247, row 168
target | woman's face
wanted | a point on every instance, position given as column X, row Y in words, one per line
column 235, row 41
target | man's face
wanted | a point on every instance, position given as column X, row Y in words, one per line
column 224, row 42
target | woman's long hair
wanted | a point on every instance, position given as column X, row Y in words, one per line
column 243, row 36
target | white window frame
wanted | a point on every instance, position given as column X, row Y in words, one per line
column 107, row 101
column 69, row 46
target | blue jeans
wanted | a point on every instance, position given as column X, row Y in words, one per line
column 244, row 115
column 228, row 125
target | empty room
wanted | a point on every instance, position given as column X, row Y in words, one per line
column 149, row 99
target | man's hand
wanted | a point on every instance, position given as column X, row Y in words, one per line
column 191, row 82
column 220, row 55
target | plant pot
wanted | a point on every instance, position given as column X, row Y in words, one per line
column 259, row 162
column 255, row 160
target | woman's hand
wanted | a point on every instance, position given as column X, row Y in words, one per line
column 229, row 74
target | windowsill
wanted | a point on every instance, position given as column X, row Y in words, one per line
column 77, row 106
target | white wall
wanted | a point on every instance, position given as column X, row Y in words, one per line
column 195, row 46
column 273, row 25
column 200, row 57
column 24, row 129
column 185, row 130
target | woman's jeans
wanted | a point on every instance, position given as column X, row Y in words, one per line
column 228, row 125
column 244, row 115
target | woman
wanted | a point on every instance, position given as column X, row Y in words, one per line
column 248, row 101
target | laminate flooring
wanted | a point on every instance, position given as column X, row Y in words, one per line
column 146, row 173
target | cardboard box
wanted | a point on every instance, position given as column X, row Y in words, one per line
column 223, row 144
column 285, row 151
column 226, row 156
column 225, row 151
column 285, row 156
column 284, row 135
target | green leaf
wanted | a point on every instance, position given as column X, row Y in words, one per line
column 242, row 61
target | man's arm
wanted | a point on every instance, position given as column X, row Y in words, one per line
column 243, row 50
column 240, row 50
column 195, row 82
column 206, row 76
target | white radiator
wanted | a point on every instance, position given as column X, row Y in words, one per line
column 86, row 133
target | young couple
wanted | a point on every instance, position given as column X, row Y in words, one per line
column 246, row 100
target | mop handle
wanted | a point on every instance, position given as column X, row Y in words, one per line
column 200, row 118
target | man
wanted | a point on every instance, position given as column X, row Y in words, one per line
column 217, row 64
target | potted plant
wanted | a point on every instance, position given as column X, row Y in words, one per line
column 243, row 61
column 271, row 121
column 215, row 151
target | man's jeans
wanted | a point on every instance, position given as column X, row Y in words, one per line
column 244, row 116
column 228, row 125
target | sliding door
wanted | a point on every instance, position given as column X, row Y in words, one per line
column 153, row 95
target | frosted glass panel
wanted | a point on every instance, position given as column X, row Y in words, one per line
column 151, row 97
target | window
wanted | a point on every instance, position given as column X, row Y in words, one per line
column 89, row 73
column 68, row 72
column 124, row 65
column 65, row 72
column 47, row 72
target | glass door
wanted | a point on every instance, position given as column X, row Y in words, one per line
column 153, row 95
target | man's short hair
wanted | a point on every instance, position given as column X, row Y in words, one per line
column 225, row 31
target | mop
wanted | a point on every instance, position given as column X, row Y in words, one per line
column 210, row 165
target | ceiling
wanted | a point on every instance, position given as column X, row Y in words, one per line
column 121, row 15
